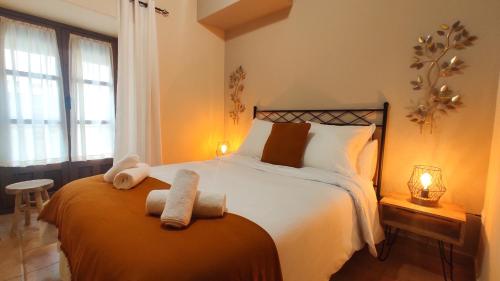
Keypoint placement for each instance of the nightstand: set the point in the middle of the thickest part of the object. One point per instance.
(444, 223)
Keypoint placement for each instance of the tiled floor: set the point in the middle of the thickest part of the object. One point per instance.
(409, 261)
(27, 257)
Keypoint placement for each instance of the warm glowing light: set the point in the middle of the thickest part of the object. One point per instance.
(426, 180)
(223, 148)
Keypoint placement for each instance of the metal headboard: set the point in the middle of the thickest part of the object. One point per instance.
(340, 117)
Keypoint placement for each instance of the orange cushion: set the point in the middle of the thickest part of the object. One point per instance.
(286, 144)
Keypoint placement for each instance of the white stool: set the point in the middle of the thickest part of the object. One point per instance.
(22, 191)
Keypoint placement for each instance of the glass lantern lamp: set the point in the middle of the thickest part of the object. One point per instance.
(222, 149)
(426, 185)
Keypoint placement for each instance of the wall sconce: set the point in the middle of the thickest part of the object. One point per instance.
(426, 185)
(222, 148)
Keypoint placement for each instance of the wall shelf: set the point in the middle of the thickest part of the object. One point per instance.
(227, 14)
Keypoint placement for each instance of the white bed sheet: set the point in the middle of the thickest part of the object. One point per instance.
(314, 224)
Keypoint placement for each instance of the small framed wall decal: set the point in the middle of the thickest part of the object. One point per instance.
(434, 56)
(236, 88)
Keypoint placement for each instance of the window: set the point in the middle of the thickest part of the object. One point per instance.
(32, 103)
(92, 99)
(56, 92)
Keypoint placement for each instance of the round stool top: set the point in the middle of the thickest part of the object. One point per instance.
(32, 185)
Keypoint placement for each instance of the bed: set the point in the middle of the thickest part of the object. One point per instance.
(316, 219)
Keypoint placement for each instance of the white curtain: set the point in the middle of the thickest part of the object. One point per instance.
(32, 115)
(92, 112)
(138, 96)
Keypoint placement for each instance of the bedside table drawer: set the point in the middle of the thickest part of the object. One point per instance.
(426, 225)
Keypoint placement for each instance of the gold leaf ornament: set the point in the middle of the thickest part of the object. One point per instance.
(236, 85)
(432, 57)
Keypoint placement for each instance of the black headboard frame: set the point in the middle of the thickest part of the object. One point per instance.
(339, 117)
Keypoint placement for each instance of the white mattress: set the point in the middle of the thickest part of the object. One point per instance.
(314, 224)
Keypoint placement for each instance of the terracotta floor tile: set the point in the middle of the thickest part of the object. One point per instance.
(409, 272)
(49, 273)
(5, 223)
(17, 278)
(41, 257)
(409, 261)
(31, 238)
(11, 263)
(8, 241)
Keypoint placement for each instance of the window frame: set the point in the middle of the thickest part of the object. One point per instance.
(63, 32)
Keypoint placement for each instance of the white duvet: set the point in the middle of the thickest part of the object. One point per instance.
(316, 218)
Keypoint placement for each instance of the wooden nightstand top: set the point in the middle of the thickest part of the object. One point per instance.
(444, 210)
(444, 223)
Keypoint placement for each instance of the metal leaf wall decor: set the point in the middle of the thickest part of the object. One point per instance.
(433, 55)
(236, 86)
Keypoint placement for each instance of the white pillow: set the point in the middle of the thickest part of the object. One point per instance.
(256, 139)
(367, 160)
(336, 148)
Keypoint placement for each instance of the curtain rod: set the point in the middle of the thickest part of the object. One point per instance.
(163, 12)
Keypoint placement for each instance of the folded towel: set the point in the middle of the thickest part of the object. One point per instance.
(129, 161)
(179, 205)
(129, 178)
(206, 204)
(209, 205)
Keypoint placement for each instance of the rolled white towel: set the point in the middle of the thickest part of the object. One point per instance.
(129, 178)
(127, 162)
(210, 205)
(179, 205)
(206, 204)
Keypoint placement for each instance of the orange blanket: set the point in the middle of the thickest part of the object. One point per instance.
(106, 235)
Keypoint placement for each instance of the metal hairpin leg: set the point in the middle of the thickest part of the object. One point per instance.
(390, 239)
(446, 262)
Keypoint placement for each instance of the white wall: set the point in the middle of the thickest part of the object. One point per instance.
(357, 53)
(192, 83)
(491, 212)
